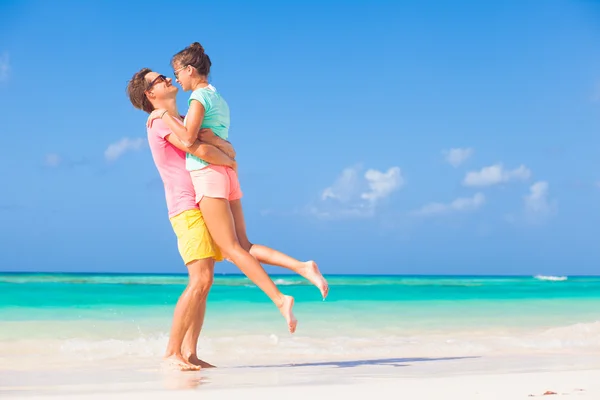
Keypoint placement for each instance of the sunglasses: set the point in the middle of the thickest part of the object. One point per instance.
(176, 72)
(158, 79)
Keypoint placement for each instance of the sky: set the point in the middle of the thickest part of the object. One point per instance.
(374, 137)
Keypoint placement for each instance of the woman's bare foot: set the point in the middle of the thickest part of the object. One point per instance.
(193, 359)
(286, 311)
(313, 274)
(176, 361)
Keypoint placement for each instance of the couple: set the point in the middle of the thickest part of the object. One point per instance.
(198, 169)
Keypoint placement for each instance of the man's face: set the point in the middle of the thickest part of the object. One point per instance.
(160, 87)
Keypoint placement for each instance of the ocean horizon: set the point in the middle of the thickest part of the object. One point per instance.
(394, 302)
(9, 272)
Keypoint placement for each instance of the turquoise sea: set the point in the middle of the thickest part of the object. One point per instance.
(71, 318)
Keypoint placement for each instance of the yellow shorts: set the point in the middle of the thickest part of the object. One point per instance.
(193, 239)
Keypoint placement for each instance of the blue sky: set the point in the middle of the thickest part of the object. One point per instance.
(383, 137)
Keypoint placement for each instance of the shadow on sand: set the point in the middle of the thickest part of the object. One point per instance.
(393, 362)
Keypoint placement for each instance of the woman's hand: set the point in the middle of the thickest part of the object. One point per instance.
(156, 114)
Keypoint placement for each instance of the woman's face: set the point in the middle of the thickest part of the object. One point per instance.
(183, 74)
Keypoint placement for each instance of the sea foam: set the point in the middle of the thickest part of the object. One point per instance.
(252, 349)
(551, 278)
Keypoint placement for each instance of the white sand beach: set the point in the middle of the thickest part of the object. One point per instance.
(489, 387)
(490, 378)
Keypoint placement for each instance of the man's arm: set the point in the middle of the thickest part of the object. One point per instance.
(207, 152)
(204, 135)
(207, 136)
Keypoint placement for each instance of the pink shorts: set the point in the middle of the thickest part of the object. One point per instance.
(216, 181)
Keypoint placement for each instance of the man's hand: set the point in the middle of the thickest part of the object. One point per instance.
(207, 136)
(156, 114)
(227, 148)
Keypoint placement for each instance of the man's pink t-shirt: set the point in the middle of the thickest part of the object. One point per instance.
(170, 162)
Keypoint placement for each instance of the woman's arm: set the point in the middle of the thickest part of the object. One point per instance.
(188, 133)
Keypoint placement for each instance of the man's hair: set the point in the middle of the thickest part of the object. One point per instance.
(136, 89)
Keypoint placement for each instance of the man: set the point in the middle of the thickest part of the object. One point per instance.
(147, 90)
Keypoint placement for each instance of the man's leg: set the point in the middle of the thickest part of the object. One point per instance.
(186, 310)
(190, 341)
(198, 253)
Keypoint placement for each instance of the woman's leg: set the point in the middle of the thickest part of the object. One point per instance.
(220, 223)
(264, 254)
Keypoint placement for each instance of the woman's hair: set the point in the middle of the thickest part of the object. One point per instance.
(195, 56)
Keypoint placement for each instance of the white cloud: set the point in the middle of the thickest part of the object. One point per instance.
(344, 187)
(538, 206)
(457, 156)
(359, 211)
(461, 204)
(381, 184)
(354, 194)
(495, 174)
(116, 150)
(4, 67)
(536, 202)
(52, 160)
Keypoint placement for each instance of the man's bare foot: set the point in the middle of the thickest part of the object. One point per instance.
(313, 274)
(193, 359)
(176, 361)
(286, 311)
